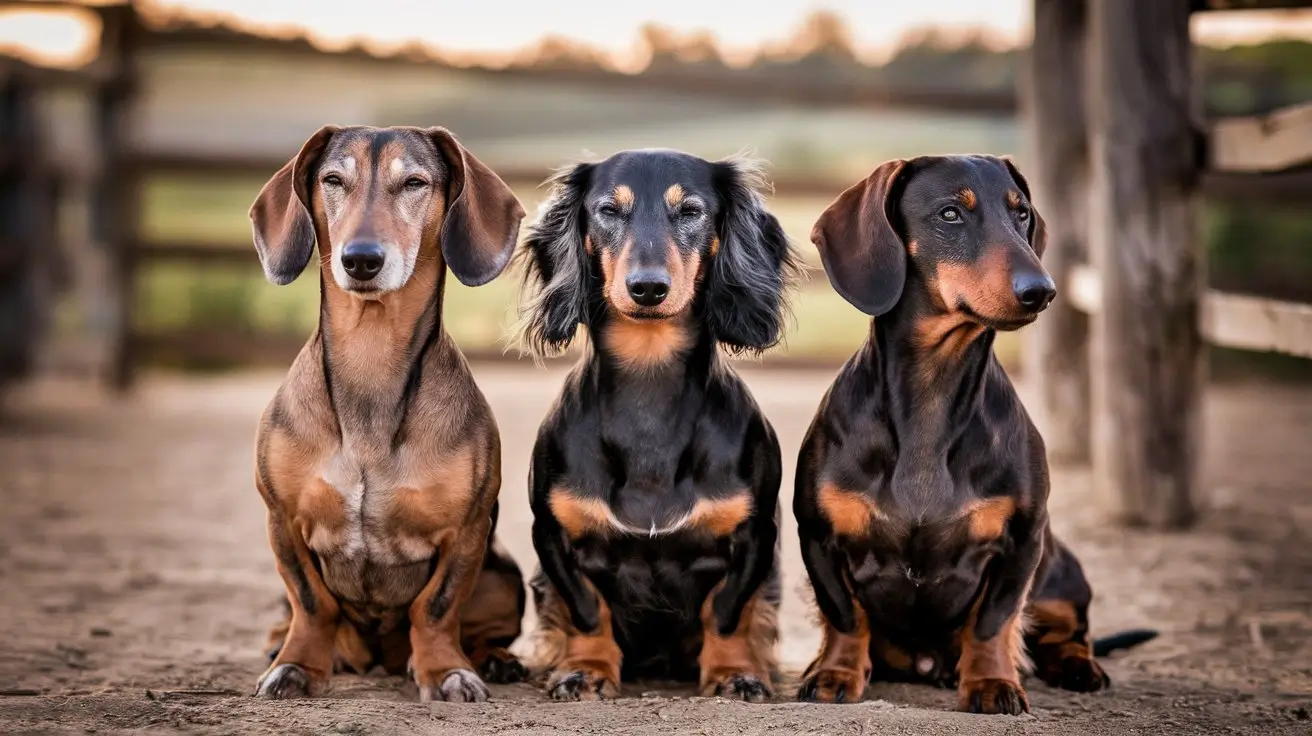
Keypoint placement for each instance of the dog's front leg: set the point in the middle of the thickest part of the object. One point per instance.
(993, 639)
(438, 663)
(841, 670)
(305, 661)
(739, 623)
(585, 664)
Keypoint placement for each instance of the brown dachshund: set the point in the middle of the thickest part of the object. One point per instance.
(379, 459)
(922, 485)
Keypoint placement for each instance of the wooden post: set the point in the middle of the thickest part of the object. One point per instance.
(1148, 353)
(1057, 357)
(118, 187)
(21, 228)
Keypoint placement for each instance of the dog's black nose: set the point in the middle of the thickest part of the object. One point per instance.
(363, 261)
(648, 288)
(1034, 291)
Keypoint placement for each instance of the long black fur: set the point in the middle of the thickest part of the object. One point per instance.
(744, 302)
(651, 443)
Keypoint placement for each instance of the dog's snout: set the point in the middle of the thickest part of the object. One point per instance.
(648, 288)
(1034, 291)
(363, 261)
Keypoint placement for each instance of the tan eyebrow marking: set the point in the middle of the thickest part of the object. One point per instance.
(967, 197)
(674, 195)
(623, 195)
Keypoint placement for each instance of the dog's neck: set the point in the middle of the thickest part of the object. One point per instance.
(930, 364)
(654, 360)
(374, 349)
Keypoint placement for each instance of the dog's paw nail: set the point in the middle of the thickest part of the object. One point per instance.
(1082, 676)
(459, 686)
(503, 670)
(744, 687)
(995, 696)
(832, 686)
(283, 682)
(580, 686)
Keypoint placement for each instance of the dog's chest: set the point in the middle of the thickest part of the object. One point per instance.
(359, 525)
(917, 578)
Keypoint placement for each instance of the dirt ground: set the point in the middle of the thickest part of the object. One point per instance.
(136, 584)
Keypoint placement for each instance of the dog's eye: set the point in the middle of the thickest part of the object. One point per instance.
(1023, 213)
(415, 182)
(607, 210)
(332, 180)
(690, 211)
(950, 214)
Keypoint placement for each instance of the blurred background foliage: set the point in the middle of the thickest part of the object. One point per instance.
(509, 119)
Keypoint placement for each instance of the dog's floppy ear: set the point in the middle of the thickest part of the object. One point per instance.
(1038, 232)
(753, 266)
(555, 296)
(482, 217)
(281, 223)
(864, 257)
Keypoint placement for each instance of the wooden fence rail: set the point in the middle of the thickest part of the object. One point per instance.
(1111, 100)
(1123, 355)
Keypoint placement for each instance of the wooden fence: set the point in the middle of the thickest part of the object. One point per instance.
(38, 182)
(1121, 161)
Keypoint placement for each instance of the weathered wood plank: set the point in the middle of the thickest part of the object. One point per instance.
(118, 188)
(1053, 103)
(1148, 352)
(1204, 5)
(1254, 323)
(1289, 187)
(1279, 140)
(198, 253)
(1226, 320)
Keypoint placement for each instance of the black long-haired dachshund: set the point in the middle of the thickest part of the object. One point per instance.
(922, 486)
(655, 477)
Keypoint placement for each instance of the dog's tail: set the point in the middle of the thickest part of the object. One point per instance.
(1128, 639)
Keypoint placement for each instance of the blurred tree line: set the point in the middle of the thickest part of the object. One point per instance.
(1252, 248)
(1237, 80)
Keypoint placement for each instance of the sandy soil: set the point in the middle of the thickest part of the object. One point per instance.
(136, 585)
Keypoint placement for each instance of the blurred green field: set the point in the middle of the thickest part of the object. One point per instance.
(174, 297)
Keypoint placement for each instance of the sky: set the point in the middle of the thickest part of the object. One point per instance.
(498, 26)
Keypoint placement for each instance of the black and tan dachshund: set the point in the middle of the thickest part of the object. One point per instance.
(922, 485)
(655, 477)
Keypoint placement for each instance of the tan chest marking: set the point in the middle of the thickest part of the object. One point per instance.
(391, 510)
(853, 514)
(640, 345)
(989, 517)
(580, 516)
(1056, 618)
(850, 514)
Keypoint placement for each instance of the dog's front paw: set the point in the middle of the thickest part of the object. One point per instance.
(565, 684)
(993, 696)
(284, 682)
(455, 686)
(502, 667)
(740, 686)
(1077, 674)
(833, 685)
